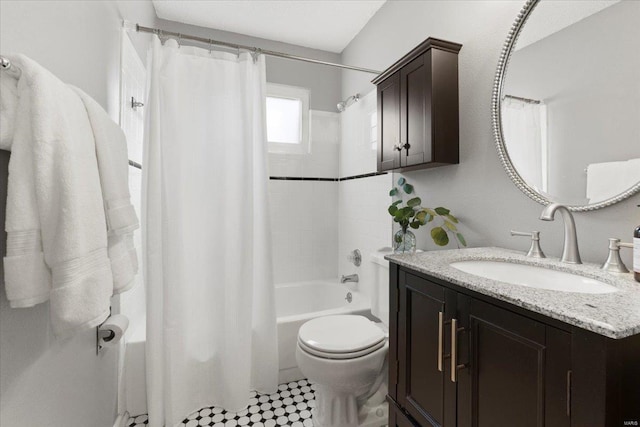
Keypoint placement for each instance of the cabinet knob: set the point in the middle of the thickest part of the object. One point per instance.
(397, 147)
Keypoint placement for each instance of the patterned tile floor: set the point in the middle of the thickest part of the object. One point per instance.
(290, 406)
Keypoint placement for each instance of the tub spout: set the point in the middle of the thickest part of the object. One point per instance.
(349, 278)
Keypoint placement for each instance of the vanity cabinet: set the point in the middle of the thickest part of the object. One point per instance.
(418, 108)
(522, 372)
(459, 358)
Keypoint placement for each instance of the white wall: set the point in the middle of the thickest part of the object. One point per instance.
(363, 220)
(44, 382)
(322, 161)
(477, 190)
(356, 155)
(364, 224)
(304, 229)
(304, 221)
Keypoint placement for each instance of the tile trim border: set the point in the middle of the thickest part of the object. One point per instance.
(347, 178)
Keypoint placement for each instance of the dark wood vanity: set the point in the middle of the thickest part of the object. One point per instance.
(461, 358)
(418, 108)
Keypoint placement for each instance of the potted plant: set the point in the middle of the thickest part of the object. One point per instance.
(412, 215)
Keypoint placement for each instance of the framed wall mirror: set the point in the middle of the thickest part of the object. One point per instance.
(566, 102)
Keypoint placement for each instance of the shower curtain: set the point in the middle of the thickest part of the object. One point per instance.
(525, 126)
(211, 323)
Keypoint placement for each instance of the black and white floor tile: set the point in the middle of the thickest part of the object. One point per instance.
(290, 406)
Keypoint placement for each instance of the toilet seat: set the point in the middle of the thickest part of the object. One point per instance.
(341, 356)
(340, 337)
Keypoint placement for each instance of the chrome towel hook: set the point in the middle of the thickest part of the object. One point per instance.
(135, 104)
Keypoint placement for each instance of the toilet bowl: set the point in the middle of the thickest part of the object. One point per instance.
(345, 355)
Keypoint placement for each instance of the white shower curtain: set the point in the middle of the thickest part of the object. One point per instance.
(211, 323)
(525, 129)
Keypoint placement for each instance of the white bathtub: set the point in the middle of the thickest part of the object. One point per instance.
(295, 304)
(301, 301)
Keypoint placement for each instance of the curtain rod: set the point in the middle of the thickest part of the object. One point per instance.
(527, 100)
(179, 36)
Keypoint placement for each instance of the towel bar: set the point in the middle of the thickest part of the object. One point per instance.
(5, 64)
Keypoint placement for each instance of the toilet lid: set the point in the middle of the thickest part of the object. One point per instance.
(340, 334)
(341, 356)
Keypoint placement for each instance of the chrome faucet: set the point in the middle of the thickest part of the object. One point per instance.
(570, 252)
(349, 278)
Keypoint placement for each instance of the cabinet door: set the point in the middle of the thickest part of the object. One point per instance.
(424, 390)
(415, 112)
(389, 123)
(517, 369)
(397, 418)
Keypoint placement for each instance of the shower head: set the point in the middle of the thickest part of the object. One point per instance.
(350, 100)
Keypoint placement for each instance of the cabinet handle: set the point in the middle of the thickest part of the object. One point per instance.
(454, 350)
(568, 393)
(441, 356)
(397, 147)
(440, 338)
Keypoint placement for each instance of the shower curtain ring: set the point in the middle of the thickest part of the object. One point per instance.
(256, 54)
(179, 40)
(210, 46)
(162, 37)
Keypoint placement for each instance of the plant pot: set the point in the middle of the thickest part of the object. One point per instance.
(404, 241)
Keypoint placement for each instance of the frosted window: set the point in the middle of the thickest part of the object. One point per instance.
(284, 117)
(287, 119)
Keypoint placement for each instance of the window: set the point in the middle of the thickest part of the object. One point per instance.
(371, 130)
(287, 119)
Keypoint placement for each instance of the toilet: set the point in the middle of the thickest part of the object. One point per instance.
(346, 357)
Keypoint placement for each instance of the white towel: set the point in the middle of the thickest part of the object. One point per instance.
(113, 167)
(608, 179)
(8, 105)
(56, 233)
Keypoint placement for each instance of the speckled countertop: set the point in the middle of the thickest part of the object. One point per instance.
(615, 315)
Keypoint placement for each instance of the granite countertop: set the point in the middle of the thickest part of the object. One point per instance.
(614, 315)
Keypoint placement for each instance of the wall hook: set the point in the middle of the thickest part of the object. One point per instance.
(135, 104)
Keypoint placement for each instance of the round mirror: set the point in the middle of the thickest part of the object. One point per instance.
(566, 102)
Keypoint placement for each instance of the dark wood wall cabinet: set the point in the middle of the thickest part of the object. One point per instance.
(418, 108)
(459, 358)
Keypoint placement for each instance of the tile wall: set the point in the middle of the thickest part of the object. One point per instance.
(303, 212)
(363, 220)
(316, 224)
(364, 224)
(304, 229)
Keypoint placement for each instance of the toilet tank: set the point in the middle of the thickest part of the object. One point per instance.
(380, 289)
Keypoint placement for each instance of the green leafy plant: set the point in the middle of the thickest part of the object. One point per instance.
(412, 214)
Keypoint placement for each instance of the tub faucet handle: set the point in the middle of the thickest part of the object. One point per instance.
(355, 257)
(535, 250)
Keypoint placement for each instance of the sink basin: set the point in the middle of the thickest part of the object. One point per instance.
(534, 277)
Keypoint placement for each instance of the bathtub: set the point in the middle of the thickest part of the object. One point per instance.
(295, 304)
(301, 301)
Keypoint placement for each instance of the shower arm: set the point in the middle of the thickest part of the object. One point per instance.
(350, 100)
